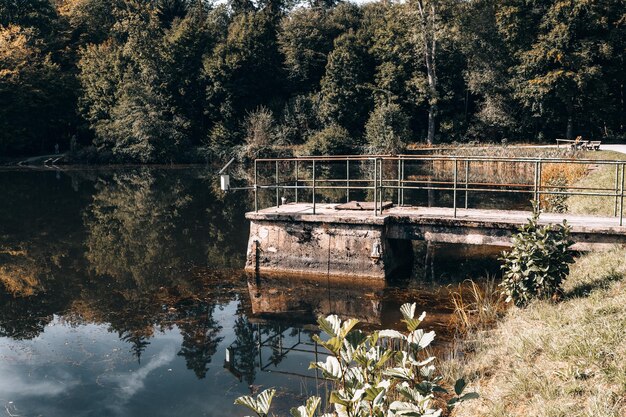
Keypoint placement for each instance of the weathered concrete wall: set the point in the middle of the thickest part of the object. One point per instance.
(356, 244)
(315, 248)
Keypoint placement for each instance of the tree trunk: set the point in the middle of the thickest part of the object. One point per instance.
(569, 134)
(430, 139)
(429, 39)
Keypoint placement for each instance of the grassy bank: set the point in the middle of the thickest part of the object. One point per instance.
(601, 178)
(556, 359)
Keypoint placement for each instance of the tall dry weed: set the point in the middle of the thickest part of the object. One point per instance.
(477, 306)
(559, 177)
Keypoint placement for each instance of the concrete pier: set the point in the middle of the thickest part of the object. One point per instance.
(290, 239)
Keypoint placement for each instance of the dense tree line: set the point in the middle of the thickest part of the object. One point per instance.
(172, 80)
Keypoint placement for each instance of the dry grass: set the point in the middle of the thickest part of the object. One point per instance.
(563, 359)
(497, 150)
(477, 306)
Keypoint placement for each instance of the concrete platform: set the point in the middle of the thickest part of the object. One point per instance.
(355, 243)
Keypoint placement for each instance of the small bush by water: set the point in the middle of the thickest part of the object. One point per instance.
(538, 262)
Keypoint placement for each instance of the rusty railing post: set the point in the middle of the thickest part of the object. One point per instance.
(539, 186)
(347, 180)
(399, 179)
(297, 180)
(535, 195)
(616, 189)
(456, 166)
(256, 199)
(314, 186)
(466, 181)
(621, 203)
(375, 187)
(381, 188)
(402, 184)
(277, 187)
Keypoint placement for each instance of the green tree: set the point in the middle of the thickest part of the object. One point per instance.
(125, 82)
(183, 48)
(497, 113)
(243, 73)
(345, 96)
(90, 21)
(306, 38)
(561, 48)
(387, 130)
(424, 17)
(33, 92)
(40, 15)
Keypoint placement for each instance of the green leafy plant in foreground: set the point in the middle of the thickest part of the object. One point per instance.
(538, 262)
(383, 374)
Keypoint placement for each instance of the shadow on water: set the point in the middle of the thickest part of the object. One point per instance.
(125, 286)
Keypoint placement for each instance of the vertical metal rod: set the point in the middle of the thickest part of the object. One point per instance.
(297, 180)
(277, 189)
(621, 199)
(456, 166)
(380, 186)
(375, 187)
(536, 181)
(616, 189)
(539, 185)
(402, 184)
(256, 200)
(399, 180)
(347, 180)
(314, 186)
(466, 181)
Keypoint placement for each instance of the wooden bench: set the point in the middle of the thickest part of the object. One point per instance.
(576, 145)
(589, 145)
(592, 145)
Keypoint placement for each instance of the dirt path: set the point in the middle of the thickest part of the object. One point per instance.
(614, 148)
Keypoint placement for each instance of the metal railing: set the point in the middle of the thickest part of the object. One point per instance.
(454, 174)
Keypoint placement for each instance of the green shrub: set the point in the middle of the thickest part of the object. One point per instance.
(332, 140)
(384, 374)
(538, 262)
(387, 130)
(263, 136)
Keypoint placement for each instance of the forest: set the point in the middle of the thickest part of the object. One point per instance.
(161, 81)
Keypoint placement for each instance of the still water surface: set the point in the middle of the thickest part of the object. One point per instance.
(121, 294)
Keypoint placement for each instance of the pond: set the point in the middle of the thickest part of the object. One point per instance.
(122, 294)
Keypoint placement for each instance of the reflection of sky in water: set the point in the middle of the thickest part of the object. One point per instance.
(87, 371)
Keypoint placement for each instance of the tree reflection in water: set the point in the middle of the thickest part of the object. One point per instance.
(200, 335)
(141, 250)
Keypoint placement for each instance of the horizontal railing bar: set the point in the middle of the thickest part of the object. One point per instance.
(471, 158)
(491, 190)
(395, 181)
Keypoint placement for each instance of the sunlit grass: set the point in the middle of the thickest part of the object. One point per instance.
(556, 359)
(602, 178)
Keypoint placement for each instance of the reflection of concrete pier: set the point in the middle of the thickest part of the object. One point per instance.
(303, 300)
